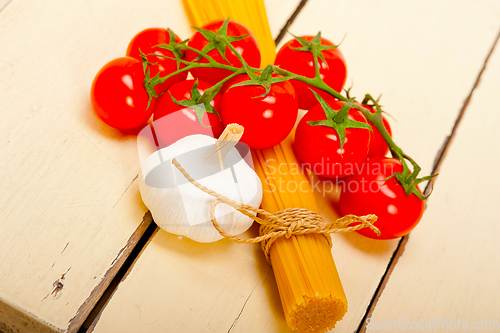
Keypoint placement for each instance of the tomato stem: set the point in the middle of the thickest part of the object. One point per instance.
(343, 112)
(249, 71)
(210, 93)
(316, 62)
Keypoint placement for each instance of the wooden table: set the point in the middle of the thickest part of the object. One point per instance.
(71, 213)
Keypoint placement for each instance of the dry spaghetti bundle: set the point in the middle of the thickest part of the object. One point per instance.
(309, 285)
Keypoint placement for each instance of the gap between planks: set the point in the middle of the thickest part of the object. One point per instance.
(146, 237)
(3, 4)
(440, 156)
(88, 307)
(289, 22)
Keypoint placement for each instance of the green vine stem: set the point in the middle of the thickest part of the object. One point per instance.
(408, 179)
(212, 91)
(247, 68)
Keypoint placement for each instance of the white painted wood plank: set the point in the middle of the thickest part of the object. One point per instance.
(278, 13)
(361, 262)
(388, 49)
(178, 285)
(450, 268)
(69, 202)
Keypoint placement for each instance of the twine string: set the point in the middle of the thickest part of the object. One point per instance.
(285, 223)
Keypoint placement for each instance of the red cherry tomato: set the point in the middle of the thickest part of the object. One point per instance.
(334, 72)
(267, 120)
(172, 122)
(368, 193)
(378, 147)
(146, 41)
(318, 147)
(118, 95)
(246, 47)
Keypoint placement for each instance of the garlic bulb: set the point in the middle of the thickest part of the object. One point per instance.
(181, 208)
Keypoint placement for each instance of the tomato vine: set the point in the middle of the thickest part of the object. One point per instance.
(407, 178)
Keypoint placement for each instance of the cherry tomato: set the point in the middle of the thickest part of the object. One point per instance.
(368, 193)
(118, 95)
(318, 147)
(173, 122)
(333, 72)
(268, 119)
(146, 41)
(246, 47)
(378, 147)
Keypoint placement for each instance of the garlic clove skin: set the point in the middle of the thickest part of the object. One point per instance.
(179, 207)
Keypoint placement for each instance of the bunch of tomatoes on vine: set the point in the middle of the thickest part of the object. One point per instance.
(338, 137)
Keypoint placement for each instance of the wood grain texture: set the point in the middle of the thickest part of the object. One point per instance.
(3, 3)
(450, 269)
(415, 54)
(69, 203)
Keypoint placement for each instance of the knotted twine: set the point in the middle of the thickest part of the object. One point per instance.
(284, 223)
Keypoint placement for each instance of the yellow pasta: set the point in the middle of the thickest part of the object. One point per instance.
(309, 285)
(251, 13)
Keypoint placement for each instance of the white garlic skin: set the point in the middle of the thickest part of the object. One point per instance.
(184, 209)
